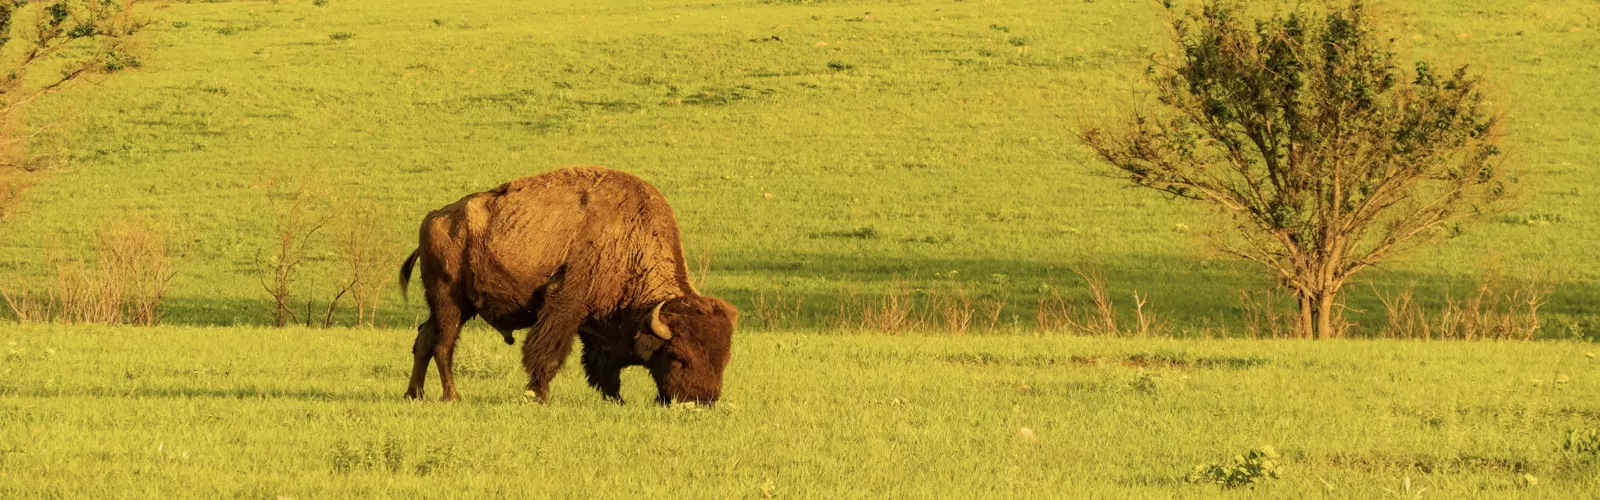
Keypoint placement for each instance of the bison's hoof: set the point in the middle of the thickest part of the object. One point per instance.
(413, 394)
(510, 340)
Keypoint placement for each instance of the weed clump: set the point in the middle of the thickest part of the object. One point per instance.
(1582, 443)
(1250, 469)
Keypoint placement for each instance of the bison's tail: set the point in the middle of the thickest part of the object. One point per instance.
(405, 271)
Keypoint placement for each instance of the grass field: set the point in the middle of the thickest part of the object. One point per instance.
(876, 143)
(813, 151)
(208, 412)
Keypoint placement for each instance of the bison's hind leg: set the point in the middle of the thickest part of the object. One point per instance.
(421, 354)
(603, 370)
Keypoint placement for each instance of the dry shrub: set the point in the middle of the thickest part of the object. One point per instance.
(993, 309)
(365, 250)
(1105, 315)
(1262, 319)
(782, 311)
(1056, 313)
(849, 306)
(1495, 311)
(702, 271)
(955, 310)
(294, 225)
(125, 283)
(138, 255)
(892, 314)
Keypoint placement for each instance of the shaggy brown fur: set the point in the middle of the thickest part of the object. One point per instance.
(582, 251)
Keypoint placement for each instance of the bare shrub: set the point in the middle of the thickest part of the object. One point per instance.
(294, 225)
(135, 259)
(893, 313)
(1262, 319)
(83, 295)
(1140, 318)
(702, 270)
(781, 311)
(124, 284)
(956, 311)
(849, 307)
(993, 309)
(1494, 311)
(364, 248)
(1053, 312)
(1105, 320)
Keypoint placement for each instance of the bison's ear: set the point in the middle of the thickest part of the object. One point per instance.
(657, 326)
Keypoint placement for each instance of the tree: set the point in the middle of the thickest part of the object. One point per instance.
(1302, 129)
(65, 41)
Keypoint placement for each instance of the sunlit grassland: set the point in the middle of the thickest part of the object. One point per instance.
(896, 141)
(176, 411)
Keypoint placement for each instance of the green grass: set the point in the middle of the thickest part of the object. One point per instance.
(922, 138)
(252, 412)
(870, 145)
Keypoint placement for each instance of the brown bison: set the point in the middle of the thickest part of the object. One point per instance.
(582, 252)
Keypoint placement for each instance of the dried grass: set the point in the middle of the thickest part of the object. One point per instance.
(1496, 310)
(125, 284)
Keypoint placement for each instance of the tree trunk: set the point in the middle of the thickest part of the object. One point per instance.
(1325, 316)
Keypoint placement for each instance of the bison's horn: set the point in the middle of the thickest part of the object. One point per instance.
(657, 326)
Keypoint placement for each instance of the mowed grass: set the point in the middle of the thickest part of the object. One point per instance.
(207, 412)
(808, 147)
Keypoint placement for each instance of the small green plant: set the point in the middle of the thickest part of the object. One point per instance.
(341, 36)
(1582, 443)
(840, 66)
(1249, 469)
(319, 3)
(1145, 383)
(180, 24)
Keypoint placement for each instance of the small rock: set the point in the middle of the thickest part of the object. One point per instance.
(1026, 434)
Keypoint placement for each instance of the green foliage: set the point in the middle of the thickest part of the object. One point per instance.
(1250, 469)
(74, 38)
(1304, 132)
(1584, 443)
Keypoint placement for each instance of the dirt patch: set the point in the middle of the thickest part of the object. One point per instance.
(1159, 360)
(1428, 464)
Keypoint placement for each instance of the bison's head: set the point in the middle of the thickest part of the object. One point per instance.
(696, 334)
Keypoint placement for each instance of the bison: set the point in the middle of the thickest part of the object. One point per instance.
(584, 252)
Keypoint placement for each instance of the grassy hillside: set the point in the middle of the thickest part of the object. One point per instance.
(808, 147)
(207, 412)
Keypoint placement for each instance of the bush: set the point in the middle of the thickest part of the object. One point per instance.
(1248, 469)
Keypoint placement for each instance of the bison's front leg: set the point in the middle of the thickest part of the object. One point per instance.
(546, 348)
(603, 370)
